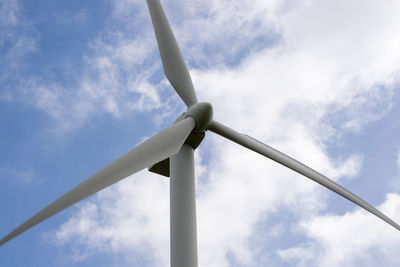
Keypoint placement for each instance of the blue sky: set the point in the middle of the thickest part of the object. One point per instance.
(82, 83)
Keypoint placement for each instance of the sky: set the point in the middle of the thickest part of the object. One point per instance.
(81, 83)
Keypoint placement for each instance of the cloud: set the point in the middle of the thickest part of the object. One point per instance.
(354, 238)
(326, 75)
(112, 78)
(216, 23)
(109, 83)
(17, 39)
(136, 216)
(23, 175)
(398, 158)
(8, 12)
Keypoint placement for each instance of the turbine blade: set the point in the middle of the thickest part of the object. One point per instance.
(173, 63)
(162, 145)
(269, 152)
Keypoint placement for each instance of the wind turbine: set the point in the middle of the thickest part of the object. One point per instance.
(171, 153)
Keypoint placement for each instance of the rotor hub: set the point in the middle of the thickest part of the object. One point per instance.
(202, 113)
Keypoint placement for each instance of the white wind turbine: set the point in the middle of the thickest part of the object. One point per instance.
(171, 153)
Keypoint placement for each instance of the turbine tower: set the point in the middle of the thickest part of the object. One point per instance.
(171, 153)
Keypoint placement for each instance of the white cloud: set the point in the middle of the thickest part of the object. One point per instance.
(17, 39)
(136, 217)
(355, 238)
(8, 12)
(23, 175)
(216, 23)
(108, 81)
(398, 158)
(300, 255)
(333, 71)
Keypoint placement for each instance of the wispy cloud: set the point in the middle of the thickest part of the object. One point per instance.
(21, 175)
(107, 81)
(9, 12)
(398, 158)
(17, 39)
